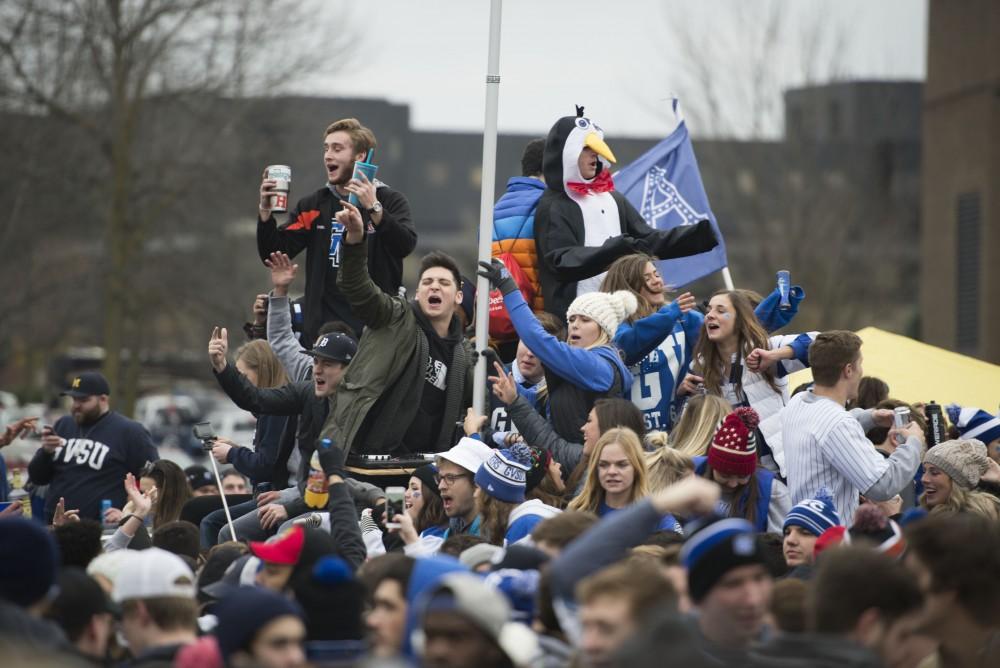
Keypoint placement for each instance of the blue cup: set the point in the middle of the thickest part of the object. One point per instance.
(366, 168)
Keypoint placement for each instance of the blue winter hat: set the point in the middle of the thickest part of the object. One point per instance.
(814, 515)
(975, 423)
(29, 562)
(244, 612)
(716, 549)
(520, 588)
(504, 476)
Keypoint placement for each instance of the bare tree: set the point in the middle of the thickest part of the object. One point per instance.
(129, 85)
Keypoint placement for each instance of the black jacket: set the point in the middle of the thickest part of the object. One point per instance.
(298, 398)
(564, 259)
(810, 650)
(311, 225)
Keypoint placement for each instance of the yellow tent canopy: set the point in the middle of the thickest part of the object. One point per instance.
(917, 371)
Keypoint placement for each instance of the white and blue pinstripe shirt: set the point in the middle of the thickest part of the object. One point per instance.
(826, 450)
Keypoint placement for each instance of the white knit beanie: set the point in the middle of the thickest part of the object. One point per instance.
(606, 309)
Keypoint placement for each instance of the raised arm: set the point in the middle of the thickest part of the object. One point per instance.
(879, 478)
(292, 238)
(372, 306)
(285, 400)
(610, 538)
(343, 516)
(396, 227)
(641, 337)
(280, 335)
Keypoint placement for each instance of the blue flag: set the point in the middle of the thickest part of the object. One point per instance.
(664, 184)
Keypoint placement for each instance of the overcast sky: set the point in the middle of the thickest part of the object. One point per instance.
(619, 59)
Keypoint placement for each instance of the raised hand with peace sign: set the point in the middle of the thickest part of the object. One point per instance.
(218, 346)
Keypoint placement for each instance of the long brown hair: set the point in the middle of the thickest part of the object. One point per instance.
(749, 507)
(750, 334)
(257, 355)
(629, 273)
(611, 413)
(172, 490)
(495, 515)
(593, 494)
(432, 512)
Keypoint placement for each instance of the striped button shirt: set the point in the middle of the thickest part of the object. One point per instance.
(826, 451)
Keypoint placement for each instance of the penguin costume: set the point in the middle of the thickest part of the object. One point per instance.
(583, 225)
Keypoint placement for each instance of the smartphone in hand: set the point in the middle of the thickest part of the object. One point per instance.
(393, 506)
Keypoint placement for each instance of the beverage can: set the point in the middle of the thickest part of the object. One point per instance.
(282, 175)
(784, 288)
(901, 418)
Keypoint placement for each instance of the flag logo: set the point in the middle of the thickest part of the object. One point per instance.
(660, 199)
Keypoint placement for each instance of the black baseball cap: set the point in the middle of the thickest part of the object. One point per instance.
(198, 476)
(87, 384)
(335, 346)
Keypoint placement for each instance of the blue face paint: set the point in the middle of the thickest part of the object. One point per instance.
(727, 316)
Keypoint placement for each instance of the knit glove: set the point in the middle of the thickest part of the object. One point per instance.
(498, 276)
(371, 534)
(331, 459)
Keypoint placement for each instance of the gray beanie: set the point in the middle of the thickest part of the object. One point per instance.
(964, 460)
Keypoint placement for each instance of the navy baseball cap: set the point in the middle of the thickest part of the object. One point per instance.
(335, 346)
(87, 384)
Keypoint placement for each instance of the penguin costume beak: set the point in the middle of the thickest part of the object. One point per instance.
(594, 141)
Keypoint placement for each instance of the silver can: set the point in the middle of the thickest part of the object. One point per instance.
(900, 418)
(282, 175)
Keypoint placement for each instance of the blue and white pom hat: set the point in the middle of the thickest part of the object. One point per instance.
(814, 515)
(974, 423)
(504, 475)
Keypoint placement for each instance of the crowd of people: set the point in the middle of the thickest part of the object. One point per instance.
(644, 487)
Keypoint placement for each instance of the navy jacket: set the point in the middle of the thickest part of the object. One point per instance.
(91, 466)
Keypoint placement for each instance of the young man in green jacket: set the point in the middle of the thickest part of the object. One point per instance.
(411, 380)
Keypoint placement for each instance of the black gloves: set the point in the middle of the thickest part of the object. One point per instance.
(331, 458)
(498, 276)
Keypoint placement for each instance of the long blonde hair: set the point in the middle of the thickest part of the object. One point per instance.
(962, 500)
(665, 465)
(592, 496)
(700, 420)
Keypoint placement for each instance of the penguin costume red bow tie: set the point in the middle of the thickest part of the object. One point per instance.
(602, 183)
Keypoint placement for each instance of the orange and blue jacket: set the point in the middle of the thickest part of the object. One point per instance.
(514, 227)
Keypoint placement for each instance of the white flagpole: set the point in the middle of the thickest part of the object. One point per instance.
(486, 202)
(727, 278)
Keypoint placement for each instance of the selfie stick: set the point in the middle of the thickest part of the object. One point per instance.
(218, 481)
